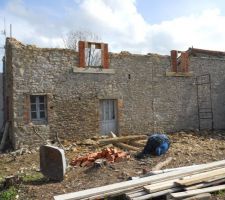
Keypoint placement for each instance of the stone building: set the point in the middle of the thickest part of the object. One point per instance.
(50, 92)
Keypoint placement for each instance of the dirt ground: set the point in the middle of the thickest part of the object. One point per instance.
(187, 148)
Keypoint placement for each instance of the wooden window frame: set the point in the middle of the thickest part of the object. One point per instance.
(38, 110)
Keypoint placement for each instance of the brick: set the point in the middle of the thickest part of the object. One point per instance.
(105, 55)
(81, 47)
(184, 61)
(173, 57)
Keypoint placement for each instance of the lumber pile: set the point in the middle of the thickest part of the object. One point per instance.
(191, 182)
(109, 154)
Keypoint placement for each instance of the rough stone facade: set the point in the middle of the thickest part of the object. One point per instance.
(1, 100)
(147, 99)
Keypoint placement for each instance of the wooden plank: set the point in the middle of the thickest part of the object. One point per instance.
(124, 186)
(167, 170)
(162, 164)
(156, 194)
(137, 144)
(205, 184)
(143, 141)
(107, 194)
(126, 146)
(136, 194)
(134, 191)
(122, 139)
(197, 178)
(204, 196)
(197, 191)
(160, 186)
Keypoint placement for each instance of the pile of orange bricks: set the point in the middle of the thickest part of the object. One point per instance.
(109, 154)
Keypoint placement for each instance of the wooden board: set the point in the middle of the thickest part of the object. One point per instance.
(205, 184)
(162, 164)
(160, 186)
(121, 139)
(156, 194)
(137, 144)
(197, 191)
(127, 147)
(204, 196)
(125, 186)
(135, 195)
(197, 178)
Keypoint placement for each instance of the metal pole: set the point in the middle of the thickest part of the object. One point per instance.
(10, 30)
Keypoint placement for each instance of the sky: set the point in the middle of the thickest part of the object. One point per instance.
(138, 26)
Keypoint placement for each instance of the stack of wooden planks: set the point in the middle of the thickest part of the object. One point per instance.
(177, 183)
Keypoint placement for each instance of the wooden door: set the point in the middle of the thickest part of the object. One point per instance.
(108, 116)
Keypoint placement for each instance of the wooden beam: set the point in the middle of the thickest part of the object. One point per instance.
(197, 178)
(162, 164)
(205, 184)
(189, 193)
(160, 186)
(136, 194)
(204, 196)
(157, 194)
(127, 147)
(137, 144)
(122, 139)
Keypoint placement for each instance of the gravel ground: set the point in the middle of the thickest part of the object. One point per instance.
(187, 148)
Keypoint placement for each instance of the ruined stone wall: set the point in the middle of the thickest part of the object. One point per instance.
(8, 92)
(1, 100)
(147, 99)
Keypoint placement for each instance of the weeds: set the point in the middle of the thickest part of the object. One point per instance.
(9, 194)
(34, 177)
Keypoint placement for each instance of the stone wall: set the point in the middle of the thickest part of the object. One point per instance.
(147, 99)
(1, 100)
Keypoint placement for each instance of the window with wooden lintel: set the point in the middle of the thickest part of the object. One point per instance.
(179, 61)
(179, 64)
(92, 54)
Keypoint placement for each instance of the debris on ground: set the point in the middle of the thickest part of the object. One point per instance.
(174, 184)
(110, 154)
(188, 148)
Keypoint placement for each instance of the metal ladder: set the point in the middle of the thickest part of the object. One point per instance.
(204, 100)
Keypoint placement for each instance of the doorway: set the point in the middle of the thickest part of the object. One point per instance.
(108, 116)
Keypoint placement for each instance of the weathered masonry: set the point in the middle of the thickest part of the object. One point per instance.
(51, 92)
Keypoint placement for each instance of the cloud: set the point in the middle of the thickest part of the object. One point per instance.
(119, 23)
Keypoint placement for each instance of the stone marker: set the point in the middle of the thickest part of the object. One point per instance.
(52, 162)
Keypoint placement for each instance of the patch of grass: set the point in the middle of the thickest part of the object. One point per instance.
(9, 194)
(220, 192)
(34, 177)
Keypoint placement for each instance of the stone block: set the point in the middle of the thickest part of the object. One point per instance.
(52, 162)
